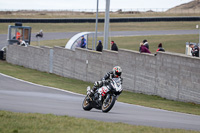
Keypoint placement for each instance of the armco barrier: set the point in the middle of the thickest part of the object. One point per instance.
(100, 20)
(169, 75)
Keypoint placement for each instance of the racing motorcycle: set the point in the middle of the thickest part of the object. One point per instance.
(104, 97)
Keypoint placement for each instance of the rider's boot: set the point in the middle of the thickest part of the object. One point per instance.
(92, 91)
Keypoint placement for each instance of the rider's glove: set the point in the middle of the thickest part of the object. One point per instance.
(105, 82)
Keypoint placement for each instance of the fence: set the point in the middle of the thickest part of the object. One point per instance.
(122, 10)
(101, 20)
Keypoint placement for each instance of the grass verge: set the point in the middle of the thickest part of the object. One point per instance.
(171, 43)
(90, 14)
(48, 123)
(80, 87)
(78, 27)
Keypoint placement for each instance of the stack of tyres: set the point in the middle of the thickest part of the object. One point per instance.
(1, 55)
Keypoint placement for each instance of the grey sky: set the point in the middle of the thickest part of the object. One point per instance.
(88, 4)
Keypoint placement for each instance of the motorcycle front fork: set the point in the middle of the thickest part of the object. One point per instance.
(107, 98)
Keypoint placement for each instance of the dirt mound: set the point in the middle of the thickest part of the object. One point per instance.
(190, 7)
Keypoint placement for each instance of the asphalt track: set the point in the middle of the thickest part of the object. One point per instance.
(20, 96)
(67, 35)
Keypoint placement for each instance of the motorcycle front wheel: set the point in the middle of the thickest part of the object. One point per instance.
(107, 106)
(86, 104)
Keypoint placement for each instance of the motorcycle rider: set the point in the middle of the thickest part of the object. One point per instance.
(115, 73)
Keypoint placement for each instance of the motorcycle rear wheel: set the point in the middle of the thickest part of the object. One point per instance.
(107, 106)
(86, 105)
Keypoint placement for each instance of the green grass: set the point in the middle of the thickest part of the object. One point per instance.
(48, 123)
(171, 43)
(66, 14)
(78, 27)
(80, 87)
(158, 102)
(44, 78)
(19, 122)
(51, 43)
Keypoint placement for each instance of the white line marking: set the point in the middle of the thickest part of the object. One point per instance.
(41, 85)
(81, 94)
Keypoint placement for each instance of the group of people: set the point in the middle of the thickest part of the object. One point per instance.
(19, 39)
(194, 50)
(99, 46)
(144, 47)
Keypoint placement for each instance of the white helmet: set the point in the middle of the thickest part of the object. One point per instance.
(117, 71)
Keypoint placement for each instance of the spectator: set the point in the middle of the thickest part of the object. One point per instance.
(114, 46)
(18, 35)
(83, 42)
(99, 46)
(144, 49)
(160, 48)
(146, 44)
(21, 42)
(195, 50)
(40, 34)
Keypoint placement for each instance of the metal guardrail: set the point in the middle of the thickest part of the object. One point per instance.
(100, 20)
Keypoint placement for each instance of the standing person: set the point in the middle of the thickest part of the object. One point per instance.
(18, 35)
(144, 49)
(160, 48)
(114, 46)
(146, 44)
(195, 50)
(40, 34)
(83, 42)
(99, 46)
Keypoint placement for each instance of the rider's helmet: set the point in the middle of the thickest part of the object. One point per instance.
(117, 71)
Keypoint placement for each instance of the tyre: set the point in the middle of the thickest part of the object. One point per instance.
(107, 106)
(86, 104)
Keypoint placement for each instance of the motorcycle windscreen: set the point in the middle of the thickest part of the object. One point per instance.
(117, 84)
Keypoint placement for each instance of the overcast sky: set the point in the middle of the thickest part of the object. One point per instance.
(88, 4)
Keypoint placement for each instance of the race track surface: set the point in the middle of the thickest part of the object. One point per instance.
(20, 96)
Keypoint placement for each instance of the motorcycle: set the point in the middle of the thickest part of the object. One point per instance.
(104, 97)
